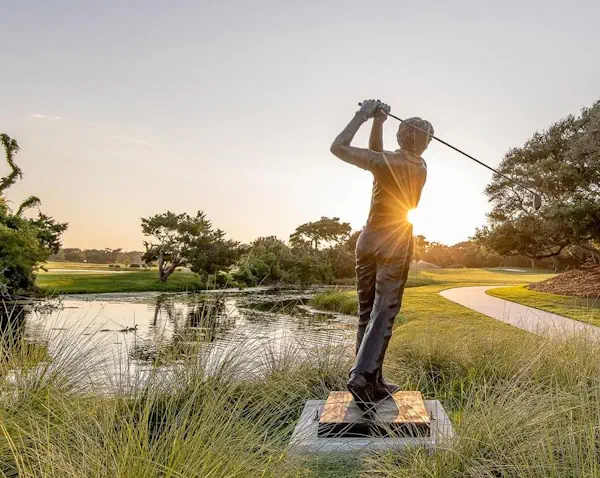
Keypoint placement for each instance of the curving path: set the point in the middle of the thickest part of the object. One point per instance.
(527, 318)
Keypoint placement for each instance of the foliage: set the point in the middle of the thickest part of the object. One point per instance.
(463, 254)
(325, 230)
(25, 243)
(266, 261)
(562, 163)
(181, 239)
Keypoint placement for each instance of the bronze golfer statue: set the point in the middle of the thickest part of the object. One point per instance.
(384, 248)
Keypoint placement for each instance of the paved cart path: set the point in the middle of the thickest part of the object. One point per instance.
(527, 318)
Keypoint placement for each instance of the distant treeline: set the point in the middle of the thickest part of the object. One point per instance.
(472, 254)
(98, 256)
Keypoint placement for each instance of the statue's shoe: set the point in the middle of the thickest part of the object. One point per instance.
(362, 390)
(384, 389)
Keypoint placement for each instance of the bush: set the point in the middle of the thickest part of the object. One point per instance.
(135, 266)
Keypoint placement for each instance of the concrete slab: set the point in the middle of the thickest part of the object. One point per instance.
(305, 439)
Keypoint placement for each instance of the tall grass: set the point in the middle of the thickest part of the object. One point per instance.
(194, 418)
(522, 406)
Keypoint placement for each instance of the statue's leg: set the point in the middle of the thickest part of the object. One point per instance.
(366, 269)
(391, 276)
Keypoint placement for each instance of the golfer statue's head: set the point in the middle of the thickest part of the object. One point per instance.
(414, 135)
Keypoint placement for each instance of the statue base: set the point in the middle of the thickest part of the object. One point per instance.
(337, 425)
(402, 414)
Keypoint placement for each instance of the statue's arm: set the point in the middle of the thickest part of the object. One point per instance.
(363, 158)
(341, 145)
(376, 138)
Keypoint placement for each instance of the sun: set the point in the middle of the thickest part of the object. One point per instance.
(413, 216)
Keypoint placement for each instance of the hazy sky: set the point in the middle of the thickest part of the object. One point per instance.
(125, 109)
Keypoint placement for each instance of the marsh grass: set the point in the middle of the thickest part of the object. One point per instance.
(195, 418)
(522, 406)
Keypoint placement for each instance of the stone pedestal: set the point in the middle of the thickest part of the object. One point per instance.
(338, 425)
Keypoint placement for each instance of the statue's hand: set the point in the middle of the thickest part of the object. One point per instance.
(368, 108)
(381, 114)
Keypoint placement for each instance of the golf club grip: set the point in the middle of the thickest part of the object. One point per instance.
(399, 119)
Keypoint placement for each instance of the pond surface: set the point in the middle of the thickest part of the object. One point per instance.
(134, 332)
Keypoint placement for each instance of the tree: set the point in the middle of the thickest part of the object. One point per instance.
(325, 230)
(180, 239)
(25, 243)
(419, 247)
(562, 163)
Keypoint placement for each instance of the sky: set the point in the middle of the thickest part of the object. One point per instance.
(128, 109)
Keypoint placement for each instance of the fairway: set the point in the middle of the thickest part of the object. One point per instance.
(52, 265)
(53, 283)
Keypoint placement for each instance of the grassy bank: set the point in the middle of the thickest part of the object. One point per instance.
(522, 406)
(578, 308)
(345, 301)
(78, 278)
(77, 283)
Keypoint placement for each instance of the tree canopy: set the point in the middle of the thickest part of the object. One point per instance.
(181, 239)
(25, 243)
(325, 230)
(562, 163)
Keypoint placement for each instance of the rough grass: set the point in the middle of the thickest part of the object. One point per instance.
(578, 308)
(74, 283)
(55, 422)
(522, 406)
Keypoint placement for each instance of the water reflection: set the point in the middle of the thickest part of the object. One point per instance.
(175, 333)
(148, 329)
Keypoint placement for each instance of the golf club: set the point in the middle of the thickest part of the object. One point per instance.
(537, 199)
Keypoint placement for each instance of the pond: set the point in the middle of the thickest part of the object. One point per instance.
(137, 332)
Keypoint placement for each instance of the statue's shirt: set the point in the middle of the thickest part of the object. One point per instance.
(398, 181)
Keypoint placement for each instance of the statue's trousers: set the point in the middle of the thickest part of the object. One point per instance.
(382, 264)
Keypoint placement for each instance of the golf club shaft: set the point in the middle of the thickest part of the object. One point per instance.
(465, 154)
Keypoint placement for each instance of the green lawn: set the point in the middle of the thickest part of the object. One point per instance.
(430, 283)
(77, 283)
(578, 308)
(75, 265)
